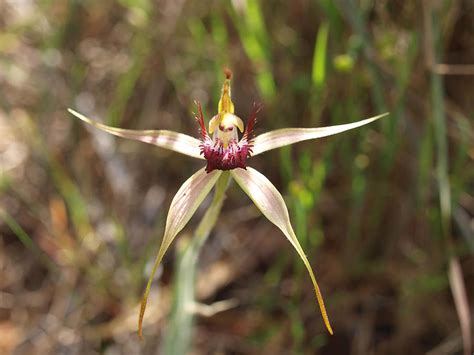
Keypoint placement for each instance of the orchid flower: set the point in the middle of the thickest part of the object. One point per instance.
(224, 151)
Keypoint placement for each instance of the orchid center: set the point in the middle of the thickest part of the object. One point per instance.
(225, 151)
(224, 128)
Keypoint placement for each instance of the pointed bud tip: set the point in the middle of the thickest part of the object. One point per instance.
(228, 73)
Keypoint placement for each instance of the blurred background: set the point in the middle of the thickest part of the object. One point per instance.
(384, 213)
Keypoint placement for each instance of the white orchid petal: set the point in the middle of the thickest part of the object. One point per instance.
(214, 123)
(231, 119)
(286, 136)
(270, 202)
(184, 205)
(178, 142)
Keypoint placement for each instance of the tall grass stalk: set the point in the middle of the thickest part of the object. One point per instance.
(442, 175)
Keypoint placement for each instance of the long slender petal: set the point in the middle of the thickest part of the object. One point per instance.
(178, 142)
(270, 202)
(184, 205)
(286, 136)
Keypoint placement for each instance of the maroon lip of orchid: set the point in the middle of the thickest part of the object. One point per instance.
(228, 156)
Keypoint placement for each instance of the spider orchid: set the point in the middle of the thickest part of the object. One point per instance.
(224, 151)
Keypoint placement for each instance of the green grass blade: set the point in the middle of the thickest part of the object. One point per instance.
(26, 240)
(255, 40)
(320, 55)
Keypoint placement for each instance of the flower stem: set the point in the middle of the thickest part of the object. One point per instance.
(179, 333)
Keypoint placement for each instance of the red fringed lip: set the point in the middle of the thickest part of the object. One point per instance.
(235, 154)
(218, 157)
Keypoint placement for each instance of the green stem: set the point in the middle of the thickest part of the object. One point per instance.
(179, 334)
(455, 274)
(440, 135)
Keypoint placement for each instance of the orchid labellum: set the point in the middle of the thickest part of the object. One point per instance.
(221, 148)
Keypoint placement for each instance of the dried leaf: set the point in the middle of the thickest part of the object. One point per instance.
(458, 290)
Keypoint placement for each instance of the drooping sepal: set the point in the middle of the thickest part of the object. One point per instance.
(270, 202)
(184, 205)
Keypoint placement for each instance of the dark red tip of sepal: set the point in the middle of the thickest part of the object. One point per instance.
(249, 130)
(228, 73)
(200, 120)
